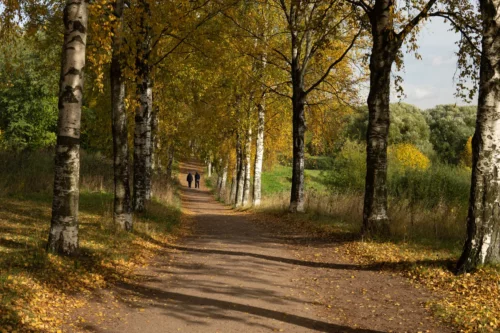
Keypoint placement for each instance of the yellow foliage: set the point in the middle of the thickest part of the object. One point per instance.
(408, 156)
(39, 291)
(466, 158)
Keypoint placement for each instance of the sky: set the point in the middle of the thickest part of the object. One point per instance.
(430, 81)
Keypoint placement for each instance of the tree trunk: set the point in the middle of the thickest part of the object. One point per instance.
(248, 153)
(142, 143)
(299, 129)
(259, 153)
(241, 184)
(170, 162)
(483, 221)
(384, 49)
(239, 173)
(155, 167)
(232, 194)
(63, 234)
(122, 211)
(222, 191)
(209, 168)
(219, 183)
(143, 116)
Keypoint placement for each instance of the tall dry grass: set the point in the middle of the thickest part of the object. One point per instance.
(442, 224)
(32, 173)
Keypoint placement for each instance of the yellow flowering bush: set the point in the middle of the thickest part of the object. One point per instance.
(409, 157)
(466, 158)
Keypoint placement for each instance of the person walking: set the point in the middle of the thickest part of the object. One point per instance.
(197, 180)
(189, 179)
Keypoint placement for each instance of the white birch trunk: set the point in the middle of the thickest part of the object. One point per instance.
(122, 209)
(143, 118)
(238, 199)
(232, 194)
(483, 221)
(170, 162)
(248, 152)
(222, 192)
(63, 234)
(142, 146)
(259, 153)
(241, 185)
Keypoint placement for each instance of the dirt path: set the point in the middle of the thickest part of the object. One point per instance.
(233, 276)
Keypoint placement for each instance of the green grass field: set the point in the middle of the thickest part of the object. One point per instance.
(279, 179)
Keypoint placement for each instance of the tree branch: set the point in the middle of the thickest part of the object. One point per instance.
(325, 75)
(458, 27)
(416, 20)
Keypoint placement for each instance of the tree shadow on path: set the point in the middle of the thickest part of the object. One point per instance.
(197, 306)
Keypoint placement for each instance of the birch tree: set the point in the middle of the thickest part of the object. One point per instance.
(63, 234)
(247, 160)
(311, 27)
(143, 114)
(259, 152)
(261, 65)
(122, 209)
(386, 47)
(391, 26)
(160, 34)
(482, 245)
(240, 172)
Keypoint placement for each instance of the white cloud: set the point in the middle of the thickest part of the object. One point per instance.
(440, 60)
(416, 94)
(421, 92)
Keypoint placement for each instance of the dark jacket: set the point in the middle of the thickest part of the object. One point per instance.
(197, 176)
(190, 177)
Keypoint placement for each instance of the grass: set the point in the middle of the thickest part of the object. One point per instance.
(39, 290)
(279, 180)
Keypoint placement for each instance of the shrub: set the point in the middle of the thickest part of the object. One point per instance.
(318, 162)
(407, 156)
(349, 168)
(440, 183)
(450, 127)
(410, 175)
(466, 157)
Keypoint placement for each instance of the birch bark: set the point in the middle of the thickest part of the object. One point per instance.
(248, 153)
(375, 219)
(259, 153)
(222, 192)
(122, 210)
(299, 128)
(238, 201)
(482, 245)
(63, 234)
(386, 45)
(143, 118)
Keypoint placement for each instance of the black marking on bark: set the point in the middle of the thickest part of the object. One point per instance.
(78, 26)
(74, 71)
(76, 39)
(67, 140)
(68, 96)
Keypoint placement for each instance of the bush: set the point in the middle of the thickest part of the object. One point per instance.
(440, 183)
(410, 176)
(450, 127)
(408, 125)
(407, 156)
(349, 168)
(318, 162)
